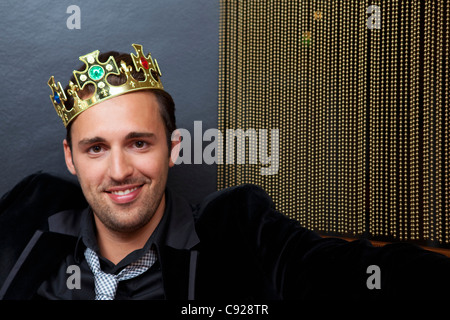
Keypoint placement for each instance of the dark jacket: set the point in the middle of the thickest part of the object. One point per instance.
(246, 250)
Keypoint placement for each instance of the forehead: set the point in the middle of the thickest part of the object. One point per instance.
(132, 112)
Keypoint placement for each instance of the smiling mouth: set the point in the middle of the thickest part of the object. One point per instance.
(125, 195)
(124, 192)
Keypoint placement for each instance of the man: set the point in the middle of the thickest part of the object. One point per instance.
(134, 239)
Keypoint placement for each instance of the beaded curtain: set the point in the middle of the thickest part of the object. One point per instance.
(362, 111)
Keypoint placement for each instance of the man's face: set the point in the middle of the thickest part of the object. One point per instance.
(121, 158)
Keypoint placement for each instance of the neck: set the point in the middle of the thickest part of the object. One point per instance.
(115, 245)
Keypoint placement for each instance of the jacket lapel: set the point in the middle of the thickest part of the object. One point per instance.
(41, 256)
(175, 268)
(178, 254)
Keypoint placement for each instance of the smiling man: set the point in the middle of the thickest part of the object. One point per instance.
(125, 235)
(120, 152)
(120, 155)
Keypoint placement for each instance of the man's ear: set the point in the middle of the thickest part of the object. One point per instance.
(68, 157)
(175, 147)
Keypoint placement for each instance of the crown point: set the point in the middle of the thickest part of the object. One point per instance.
(96, 73)
(144, 63)
(57, 99)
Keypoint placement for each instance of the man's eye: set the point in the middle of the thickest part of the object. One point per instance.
(139, 144)
(95, 149)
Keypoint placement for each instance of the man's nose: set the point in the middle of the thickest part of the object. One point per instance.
(120, 166)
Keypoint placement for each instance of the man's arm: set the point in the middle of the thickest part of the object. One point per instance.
(301, 264)
(25, 209)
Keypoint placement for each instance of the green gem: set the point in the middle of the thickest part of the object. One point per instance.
(96, 73)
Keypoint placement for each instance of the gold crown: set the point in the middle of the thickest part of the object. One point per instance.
(96, 73)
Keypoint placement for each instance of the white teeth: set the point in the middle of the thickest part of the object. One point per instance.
(124, 192)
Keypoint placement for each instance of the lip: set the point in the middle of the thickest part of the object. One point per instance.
(124, 194)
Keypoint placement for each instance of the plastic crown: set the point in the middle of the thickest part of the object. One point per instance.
(96, 73)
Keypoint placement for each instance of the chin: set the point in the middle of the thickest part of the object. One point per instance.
(127, 217)
(125, 225)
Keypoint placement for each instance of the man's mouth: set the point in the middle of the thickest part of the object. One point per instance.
(122, 195)
(124, 192)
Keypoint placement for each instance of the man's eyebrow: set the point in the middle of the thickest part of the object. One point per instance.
(88, 141)
(131, 135)
(134, 135)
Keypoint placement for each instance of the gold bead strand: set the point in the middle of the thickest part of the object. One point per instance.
(251, 79)
(388, 129)
(293, 172)
(321, 80)
(314, 108)
(371, 155)
(289, 169)
(415, 47)
(315, 55)
(333, 52)
(290, 172)
(264, 61)
(340, 178)
(382, 134)
(221, 86)
(353, 124)
(446, 109)
(426, 126)
(393, 116)
(361, 120)
(231, 106)
(349, 123)
(241, 62)
(269, 92)
(432, 121)
(277, 99)
(322, 108)
(228, 92)
(432, 141)
(328, 129)
(303, 118)
(403, 125)
(347, 89)
(310, 105)
(284, 65)
(375, 132)
(266, 45)
(439, 113)
(341, 122)
(406, 120)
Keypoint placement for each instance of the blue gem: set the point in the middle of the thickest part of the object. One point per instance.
(57, 99)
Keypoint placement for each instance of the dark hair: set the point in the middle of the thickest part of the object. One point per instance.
(165, 101)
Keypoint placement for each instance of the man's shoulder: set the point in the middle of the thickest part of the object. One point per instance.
(27, 207)
(241, 202)
(243, 192)
(42, 192)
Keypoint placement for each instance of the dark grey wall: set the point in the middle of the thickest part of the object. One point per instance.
(35, 43)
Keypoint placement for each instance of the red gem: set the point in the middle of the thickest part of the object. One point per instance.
(144, 63)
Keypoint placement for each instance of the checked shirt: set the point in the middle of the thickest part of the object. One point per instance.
(106, 283)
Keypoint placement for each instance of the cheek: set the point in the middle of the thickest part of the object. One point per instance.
(153, 165)
(90, 173)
